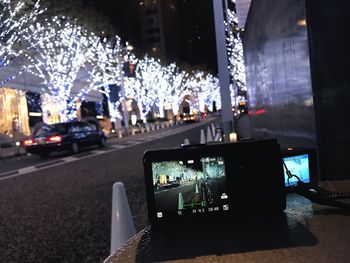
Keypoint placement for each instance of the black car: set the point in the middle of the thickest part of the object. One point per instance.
(69, 136)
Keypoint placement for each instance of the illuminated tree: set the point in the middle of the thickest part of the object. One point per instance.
(150, 73)
(166, 87)
(59, 53)
(168, 84)
(15, 17)
(178, 92)
(212, 89)
(236, 59)
(103, 69)
(203, 89)
(56, 49)
(208, 90)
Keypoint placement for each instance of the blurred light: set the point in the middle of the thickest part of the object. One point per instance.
(57, 138)
(233, 137)
(133, 119)
(35, 114)
(260, 111)
(28, 142)
(99, 117)
(301, 22)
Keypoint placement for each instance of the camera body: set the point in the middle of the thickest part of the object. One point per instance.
(215, 181)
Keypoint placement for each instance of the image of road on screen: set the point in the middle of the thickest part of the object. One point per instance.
(196, 185)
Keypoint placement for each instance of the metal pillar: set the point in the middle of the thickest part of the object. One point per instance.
(224, 74)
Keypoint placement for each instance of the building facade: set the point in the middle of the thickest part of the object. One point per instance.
(14, 118)
(179, 30)
(297, 62)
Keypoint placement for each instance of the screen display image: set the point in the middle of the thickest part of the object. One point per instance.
(299, 166)
(190, 186)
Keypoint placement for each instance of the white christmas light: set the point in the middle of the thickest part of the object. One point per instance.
(236, 59)
(58, 48)
(15, 18)
(60, 52)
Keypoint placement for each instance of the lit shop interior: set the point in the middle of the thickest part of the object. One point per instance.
(14, 118)
(21, 110)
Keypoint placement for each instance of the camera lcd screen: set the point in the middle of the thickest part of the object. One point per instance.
(299, 166)
(191, 186)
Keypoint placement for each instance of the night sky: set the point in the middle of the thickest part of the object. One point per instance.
(122, 17)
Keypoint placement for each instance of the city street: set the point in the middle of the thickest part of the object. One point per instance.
(105, 81)
(59, 209)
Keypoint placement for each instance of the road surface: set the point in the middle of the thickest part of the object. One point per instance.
(59, 210)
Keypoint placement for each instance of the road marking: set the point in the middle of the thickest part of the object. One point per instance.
(98, 152)
(26, 170)
(118, 146)
(141, 140)
(8, 174)
(133, 143)
(69, 159)
(41, 165)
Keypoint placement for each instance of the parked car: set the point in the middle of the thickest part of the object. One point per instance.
(69, 136)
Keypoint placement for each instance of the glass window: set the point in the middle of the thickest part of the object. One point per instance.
(44, 130)
(85, 127)
(13, 112)
(74, 127)
(59, 127)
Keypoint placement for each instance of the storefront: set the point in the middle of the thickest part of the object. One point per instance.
(52, 109)
(13, 112)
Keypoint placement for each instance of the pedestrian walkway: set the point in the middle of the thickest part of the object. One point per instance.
(10, 150)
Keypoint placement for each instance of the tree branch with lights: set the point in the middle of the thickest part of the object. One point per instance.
(236, 58)
(57, 59)
(15, 18)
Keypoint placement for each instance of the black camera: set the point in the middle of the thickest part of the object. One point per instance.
(215, 181)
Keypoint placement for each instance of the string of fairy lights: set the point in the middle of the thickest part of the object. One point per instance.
(15, 16)
(57, 49)
(235, 58)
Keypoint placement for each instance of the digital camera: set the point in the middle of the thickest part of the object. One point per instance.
(214, 181)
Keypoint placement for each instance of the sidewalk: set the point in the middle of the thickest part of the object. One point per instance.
(10, 147)
(11, 150)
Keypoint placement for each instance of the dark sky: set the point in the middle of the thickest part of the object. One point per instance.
(124, 16)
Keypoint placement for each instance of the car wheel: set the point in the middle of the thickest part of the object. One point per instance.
(103, 142)
(74, 148)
